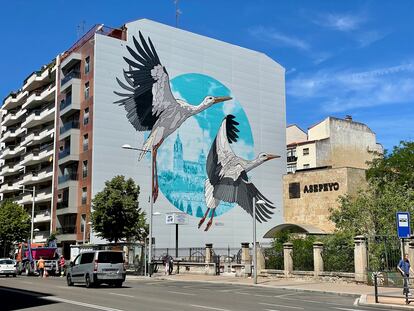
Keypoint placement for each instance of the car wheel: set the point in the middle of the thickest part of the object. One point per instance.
(118, 284)
(69, 280)
(14, 275)
(88, 283)
(27, 270)
(7, 275)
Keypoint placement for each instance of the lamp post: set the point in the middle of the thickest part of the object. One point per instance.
(255, 203)
(127, 146)
(84, 229)
(33, 191)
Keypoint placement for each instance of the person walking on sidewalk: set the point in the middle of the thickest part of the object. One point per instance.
(62, 264)
(41, 267)
(404, 268)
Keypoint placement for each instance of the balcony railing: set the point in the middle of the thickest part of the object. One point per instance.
(66, 230)
(64, 153)
(69, 125)
(65, 103)
(71, 75)
(292, 159)
(66, 177)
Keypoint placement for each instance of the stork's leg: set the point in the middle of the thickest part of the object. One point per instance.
(204, 218)
(210, 222)
(155, 176)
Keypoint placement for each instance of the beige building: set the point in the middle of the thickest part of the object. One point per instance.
(326, 162)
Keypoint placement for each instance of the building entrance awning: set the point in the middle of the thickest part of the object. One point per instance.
(294, 228)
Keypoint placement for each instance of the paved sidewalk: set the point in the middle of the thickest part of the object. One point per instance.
(364, 293)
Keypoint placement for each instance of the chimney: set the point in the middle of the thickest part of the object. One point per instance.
(348, 118)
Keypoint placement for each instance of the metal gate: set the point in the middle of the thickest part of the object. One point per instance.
(384, 253)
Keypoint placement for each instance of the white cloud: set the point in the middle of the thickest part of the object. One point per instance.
(339, 91)
(369, 37)
(278, 38)
(341, 22)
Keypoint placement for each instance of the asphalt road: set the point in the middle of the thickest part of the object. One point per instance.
(32, 293)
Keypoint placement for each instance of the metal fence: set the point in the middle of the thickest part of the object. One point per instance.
(273, 258)
(384, 253)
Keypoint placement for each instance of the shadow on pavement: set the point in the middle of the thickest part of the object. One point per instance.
(17, 299)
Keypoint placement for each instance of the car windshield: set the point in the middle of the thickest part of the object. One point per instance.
(6, 262)
(110, 257)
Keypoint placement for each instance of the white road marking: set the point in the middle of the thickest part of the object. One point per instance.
(284, 295)
(259, 295)
(241, 293)
(346, 309)
(123, 295)
(313, 301)
(226, 290)
(275, 305)
(26, 282)
(210, 308)
(57, 299)
(180, 293)
(271, 310)
(153, 283)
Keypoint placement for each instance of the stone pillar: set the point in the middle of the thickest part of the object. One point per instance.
(317, 258)
(261, 263)
(245, 254)
(209, 253)
(411, 249)
(360, 258)
(288, 258)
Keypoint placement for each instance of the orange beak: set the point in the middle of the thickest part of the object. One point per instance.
(220, 99)
(272, 156)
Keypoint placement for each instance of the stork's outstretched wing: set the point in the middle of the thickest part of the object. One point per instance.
(228, 177)
(147, 85)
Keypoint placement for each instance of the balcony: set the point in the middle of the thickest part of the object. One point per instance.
(74, 74)
(41, 77)
(11, 151)
(10, 169)
(12, 117)
(35, 97)
(14, 100)
(292, 159)
(38, 136)
(34, 157)
(8, 187)
(34, 177)
(71, 60)
(40, 236)
(71, 104)
(64, 178)
(39, 116)
(42, 195)
(68, 126)
(42, 216)
(12, 133)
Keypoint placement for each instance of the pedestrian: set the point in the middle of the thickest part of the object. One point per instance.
(170, 265)
(166, 262)
(62, 264)
(41, 267)
(404, 268)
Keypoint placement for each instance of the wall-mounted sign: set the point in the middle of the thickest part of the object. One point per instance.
(332, 186)
(403, 224)
(176, 218)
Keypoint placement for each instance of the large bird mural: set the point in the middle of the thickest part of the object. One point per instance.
(227, 176)
(149, 102)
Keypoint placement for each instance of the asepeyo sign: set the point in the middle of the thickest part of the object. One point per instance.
(403, 225)
(176, 218)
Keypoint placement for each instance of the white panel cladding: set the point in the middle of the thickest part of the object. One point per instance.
(256, 81)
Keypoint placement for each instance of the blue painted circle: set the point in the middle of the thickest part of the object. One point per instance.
(182, 157)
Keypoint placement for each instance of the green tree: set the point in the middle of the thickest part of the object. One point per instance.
(14, 224)
(116, 214)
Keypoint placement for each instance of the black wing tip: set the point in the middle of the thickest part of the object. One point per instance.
(231, 128)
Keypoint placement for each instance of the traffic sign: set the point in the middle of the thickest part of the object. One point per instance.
(403, 225)
(176, 218)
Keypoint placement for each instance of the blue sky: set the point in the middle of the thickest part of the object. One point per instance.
(341, 57)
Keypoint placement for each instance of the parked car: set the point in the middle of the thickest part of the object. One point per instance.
(7, 267)
(96, 267)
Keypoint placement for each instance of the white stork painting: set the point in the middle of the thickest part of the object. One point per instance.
(227, 176)
(149, 102)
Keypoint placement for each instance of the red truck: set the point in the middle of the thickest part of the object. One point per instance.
(28, 255)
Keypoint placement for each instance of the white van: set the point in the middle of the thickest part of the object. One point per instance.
(97, 267)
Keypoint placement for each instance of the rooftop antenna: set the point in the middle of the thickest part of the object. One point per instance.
(80, 29)
(177, 13)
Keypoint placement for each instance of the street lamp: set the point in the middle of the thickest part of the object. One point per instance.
(127, 146)
(254, 239)
(33, 191)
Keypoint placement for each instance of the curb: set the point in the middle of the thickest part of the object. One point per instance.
(362, 301)
(257, 285)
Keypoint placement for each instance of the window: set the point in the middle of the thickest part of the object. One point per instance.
(77, 260)
(306, 165)
(291, 168)
(110, 257)
(86, 116)
(85, 142)
(83, 222)
(84, 195)
(305, 151)
(87, 258)
(87, 61)
(294, 190)
(86, 91)
(85, 168)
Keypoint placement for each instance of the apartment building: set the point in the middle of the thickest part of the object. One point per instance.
(90, 130)
(27, 135)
